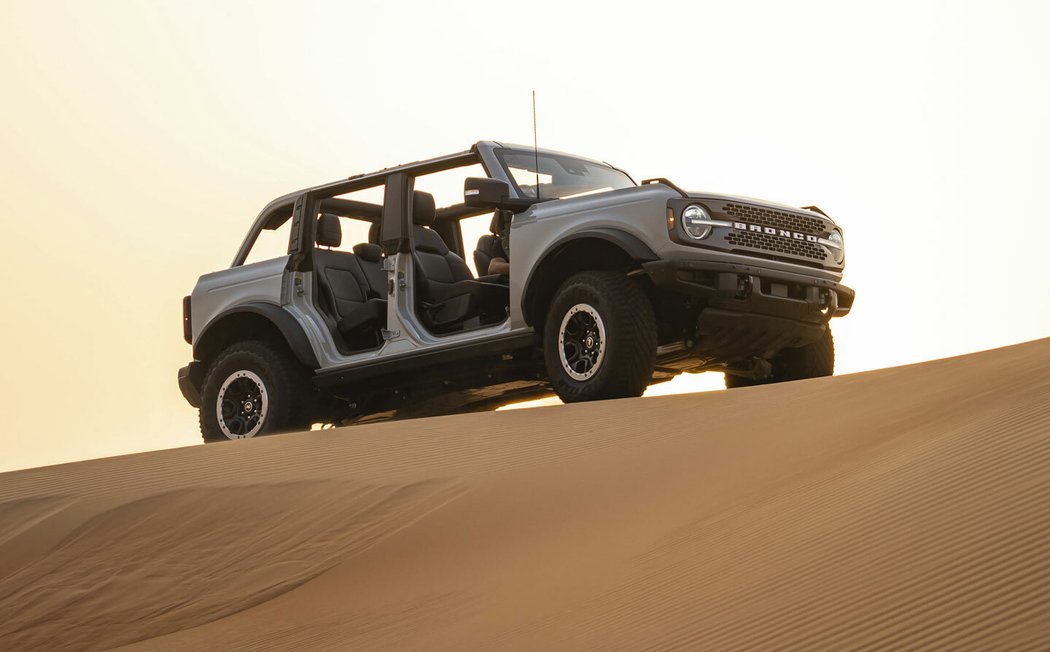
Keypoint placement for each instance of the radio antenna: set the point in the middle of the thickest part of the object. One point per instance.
(535, 144)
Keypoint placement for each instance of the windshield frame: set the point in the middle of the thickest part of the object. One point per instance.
(502, 152)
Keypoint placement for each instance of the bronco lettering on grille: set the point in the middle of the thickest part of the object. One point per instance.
(784, 233)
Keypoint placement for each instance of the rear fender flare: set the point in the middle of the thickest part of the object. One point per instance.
(294, 335)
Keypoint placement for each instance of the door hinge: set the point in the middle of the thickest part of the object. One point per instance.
(390, 335)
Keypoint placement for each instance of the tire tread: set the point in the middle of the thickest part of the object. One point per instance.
(288, 377)
(632, 350)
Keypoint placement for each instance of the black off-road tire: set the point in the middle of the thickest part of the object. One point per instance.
(287, 389)
(813, 360)
(626, 364)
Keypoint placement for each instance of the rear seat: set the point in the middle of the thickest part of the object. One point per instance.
(351, 288)
(370, 259)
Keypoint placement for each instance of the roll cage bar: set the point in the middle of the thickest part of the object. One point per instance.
(394, 214)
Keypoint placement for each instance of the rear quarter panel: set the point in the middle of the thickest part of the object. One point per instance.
(220, 291)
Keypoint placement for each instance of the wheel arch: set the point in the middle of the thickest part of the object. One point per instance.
(255, 320)
(593, 249)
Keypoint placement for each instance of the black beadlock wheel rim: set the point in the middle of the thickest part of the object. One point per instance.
(242, 405)
(581, 342)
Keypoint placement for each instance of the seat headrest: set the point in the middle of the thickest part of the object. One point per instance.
(499, 221)
(329, 233)
(422, 208)
(367, 251)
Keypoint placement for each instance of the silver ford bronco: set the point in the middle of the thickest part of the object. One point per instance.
(585, 284)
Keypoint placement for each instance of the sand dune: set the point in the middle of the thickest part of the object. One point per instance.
(901, 508)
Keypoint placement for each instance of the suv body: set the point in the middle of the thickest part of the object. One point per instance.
(686, 281)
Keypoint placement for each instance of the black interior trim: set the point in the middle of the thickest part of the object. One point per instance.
(352, 208)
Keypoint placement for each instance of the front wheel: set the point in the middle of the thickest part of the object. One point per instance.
(252, 388)
(813, 360)
(599, 338)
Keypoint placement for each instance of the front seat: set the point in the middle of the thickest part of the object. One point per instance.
(448, 294)
(490, 256)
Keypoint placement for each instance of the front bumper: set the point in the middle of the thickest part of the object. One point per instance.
(190, 378)
(743, 288)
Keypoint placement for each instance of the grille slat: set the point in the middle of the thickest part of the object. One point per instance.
(774, 218)
(767, 242)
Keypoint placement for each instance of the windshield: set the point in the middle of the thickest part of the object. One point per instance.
(559, 176)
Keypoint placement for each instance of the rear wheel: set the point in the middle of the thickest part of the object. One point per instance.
(599, 338)
(253, 388)
(810, 361)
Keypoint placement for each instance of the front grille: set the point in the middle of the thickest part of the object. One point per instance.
(776, 219)
(789, 246)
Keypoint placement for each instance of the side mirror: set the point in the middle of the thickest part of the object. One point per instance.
(482, 192)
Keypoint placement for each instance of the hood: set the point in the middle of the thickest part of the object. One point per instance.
(651, 192)
(635, 194)
(742, 199)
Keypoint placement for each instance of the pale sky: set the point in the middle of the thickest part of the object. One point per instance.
(140, 139)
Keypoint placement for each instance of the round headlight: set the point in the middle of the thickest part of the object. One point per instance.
(837, 249)
(696, 222)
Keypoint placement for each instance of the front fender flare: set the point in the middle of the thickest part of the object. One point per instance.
(630, 244)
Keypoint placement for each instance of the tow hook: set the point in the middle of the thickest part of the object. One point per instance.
(743, 286)
(832, 305)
